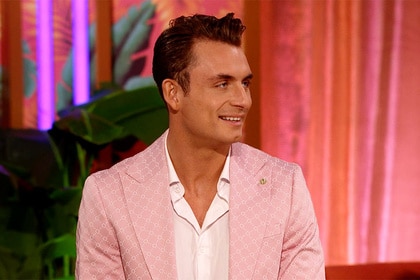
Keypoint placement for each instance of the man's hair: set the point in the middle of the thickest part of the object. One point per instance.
(173, 51)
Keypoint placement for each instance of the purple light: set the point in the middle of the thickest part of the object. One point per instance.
(80, 52)
(46, 101)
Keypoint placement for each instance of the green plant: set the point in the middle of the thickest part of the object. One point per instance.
(42, 176)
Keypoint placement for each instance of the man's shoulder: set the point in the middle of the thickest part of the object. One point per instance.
(252, 159)
(247, 152)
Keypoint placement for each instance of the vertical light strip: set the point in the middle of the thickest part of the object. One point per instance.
(372, 69)
(354, 134)
(326, 180)
(45, 55)
(80, 51)
(391, 132)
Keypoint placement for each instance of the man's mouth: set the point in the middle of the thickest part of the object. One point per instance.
(231, 119)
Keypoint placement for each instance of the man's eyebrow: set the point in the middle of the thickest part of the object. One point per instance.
(249, 77)
(230, 77)
(222, 76)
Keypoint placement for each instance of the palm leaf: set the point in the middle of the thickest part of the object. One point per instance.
(140, 112)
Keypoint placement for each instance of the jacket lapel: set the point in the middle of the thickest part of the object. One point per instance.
(150, 210)
(249, 199)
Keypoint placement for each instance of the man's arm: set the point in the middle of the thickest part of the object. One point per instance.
(302, 256)
(98, 255)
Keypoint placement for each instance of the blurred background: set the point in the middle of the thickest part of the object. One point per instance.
(336, 89)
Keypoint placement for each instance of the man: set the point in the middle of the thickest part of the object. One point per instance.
(197, 204)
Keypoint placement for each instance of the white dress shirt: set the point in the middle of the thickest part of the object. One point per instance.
(201, 253)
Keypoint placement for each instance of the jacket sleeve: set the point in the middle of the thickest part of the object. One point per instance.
(98, 255)
(302, 255)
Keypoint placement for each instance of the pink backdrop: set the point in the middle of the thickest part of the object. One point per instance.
(340, 94)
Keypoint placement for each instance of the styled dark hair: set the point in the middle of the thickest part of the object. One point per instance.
(173, 48)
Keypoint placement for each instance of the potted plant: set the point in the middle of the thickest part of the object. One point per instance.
(42, 175)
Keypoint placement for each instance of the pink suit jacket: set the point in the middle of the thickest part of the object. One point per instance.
(125, 228)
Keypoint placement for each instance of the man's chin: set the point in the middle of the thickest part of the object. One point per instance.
(237, 138)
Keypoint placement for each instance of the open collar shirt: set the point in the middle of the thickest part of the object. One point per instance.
(201, 253)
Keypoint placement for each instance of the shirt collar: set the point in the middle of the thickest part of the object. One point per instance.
(173, 177)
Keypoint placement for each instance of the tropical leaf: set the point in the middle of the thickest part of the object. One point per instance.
(64, 245)
(65, 87)
(130, 35)
(29, 72)
(139, 82)
(140, 112)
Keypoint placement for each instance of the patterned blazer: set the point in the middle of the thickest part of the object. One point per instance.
(125, 228)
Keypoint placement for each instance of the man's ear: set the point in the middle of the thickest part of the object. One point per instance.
(171, 92)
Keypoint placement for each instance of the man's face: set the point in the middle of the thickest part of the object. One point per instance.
(214, 110)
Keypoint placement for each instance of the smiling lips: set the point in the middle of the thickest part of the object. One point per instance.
(232, 119)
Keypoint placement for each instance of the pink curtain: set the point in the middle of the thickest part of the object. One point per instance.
(340, 94)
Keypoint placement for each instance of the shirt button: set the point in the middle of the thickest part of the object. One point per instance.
(177, 189)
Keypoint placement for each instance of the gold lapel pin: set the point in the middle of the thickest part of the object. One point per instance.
(263, 181)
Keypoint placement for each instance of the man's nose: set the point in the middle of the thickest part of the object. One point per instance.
(241, 96)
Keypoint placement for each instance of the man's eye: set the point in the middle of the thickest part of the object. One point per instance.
(222, 85)
(246, 84)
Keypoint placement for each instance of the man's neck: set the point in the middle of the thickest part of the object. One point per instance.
(199, 170)
(196, 167)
